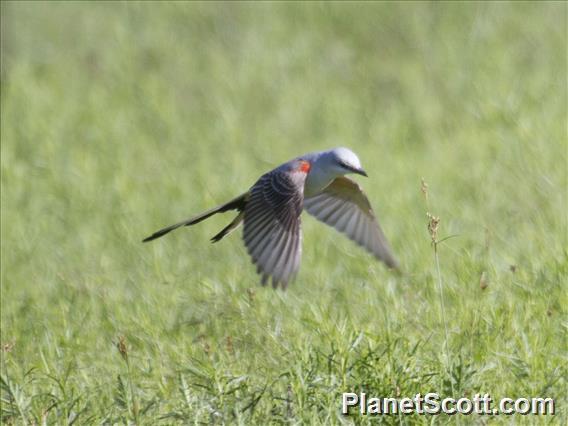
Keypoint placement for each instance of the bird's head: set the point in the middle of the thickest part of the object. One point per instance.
(344, 161)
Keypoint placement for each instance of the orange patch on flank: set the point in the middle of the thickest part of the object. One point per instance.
(305, 166)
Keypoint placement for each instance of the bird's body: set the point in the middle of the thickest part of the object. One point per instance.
(271, 211)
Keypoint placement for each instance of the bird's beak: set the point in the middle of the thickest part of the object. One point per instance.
(361, 172)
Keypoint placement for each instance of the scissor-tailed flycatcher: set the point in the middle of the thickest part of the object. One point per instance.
(271, 211)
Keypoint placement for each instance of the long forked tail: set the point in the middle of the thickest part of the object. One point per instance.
(238, 203)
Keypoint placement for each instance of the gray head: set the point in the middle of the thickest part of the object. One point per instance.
(344, 161)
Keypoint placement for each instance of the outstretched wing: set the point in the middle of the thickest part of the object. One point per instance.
(345, 206)
(272, 230)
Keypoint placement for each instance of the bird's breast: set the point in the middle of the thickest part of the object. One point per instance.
(315, 183)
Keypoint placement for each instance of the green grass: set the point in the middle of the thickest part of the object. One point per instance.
(120, 118)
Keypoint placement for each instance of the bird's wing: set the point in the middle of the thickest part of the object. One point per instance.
(343, 205)
(272, 232)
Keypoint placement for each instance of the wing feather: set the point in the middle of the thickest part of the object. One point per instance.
(329, 205)
(344, 206)
(350, 227)
(272, 228)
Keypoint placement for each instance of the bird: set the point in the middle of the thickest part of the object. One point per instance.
(270, 212)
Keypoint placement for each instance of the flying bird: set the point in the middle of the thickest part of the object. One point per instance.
(270, 212)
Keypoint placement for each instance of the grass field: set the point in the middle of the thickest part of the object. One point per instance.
(120, 118)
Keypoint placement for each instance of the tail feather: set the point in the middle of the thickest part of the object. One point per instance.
(229, 228)
(235, 204)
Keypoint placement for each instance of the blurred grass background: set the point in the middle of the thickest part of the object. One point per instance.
(119, 118)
